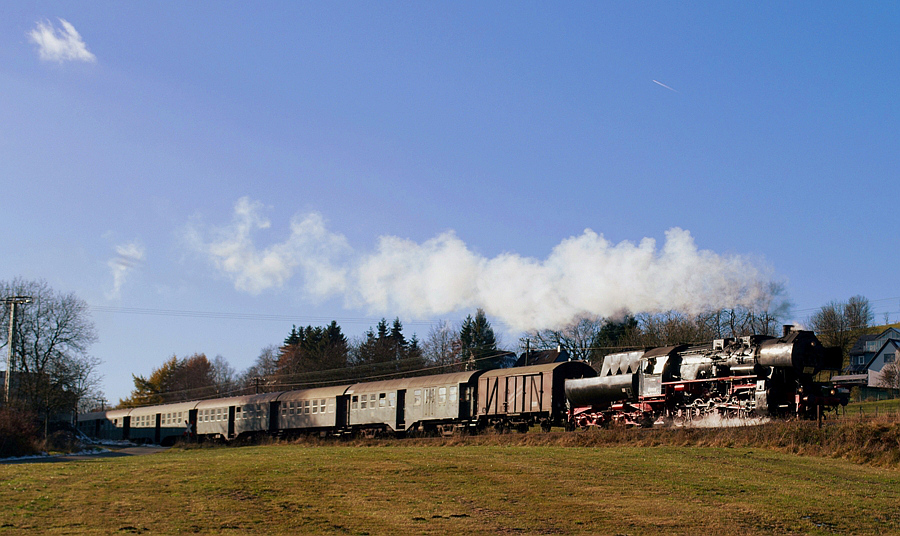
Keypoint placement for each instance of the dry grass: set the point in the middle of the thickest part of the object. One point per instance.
(676, 482)
(871, 441)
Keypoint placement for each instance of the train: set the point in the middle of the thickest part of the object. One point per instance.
(471, 401)
(753, 375)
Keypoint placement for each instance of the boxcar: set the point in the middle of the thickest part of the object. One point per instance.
(313, 410)
(522, 396)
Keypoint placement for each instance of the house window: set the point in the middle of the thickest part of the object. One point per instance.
(889, 358)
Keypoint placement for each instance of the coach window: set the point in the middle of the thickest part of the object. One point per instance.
(453, 394)
(363, 401)
(306, 406)
(442, 395)
(315, 406)
(354, 403)
(417, 397)
(372, 401)
(392, 399)
(382, 400)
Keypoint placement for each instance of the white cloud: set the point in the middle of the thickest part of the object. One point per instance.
(584, 274)
(310, 248)
(128, 257)
(60, 44)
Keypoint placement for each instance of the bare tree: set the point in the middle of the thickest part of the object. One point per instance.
(890, 374)
(441, 347)
(671, 328)
(577, 338)
(224, 376)
(53, 334)
(840, 324)
(263, 371)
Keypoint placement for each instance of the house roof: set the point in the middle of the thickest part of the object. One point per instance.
(890, 342)
(859, 347)
(542, 358)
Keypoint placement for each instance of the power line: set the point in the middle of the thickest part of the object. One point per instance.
(264, 317)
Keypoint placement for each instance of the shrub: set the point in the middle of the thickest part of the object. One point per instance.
(18, 434)
(63, 441)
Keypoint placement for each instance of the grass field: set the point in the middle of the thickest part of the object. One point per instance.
(870, 409)
(486, 486)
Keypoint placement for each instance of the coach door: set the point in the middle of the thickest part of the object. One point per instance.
(157, 432)
(401, 409)
(231, 416)
(429, 402)
(192, 420)
(126, 427)
(342, 412)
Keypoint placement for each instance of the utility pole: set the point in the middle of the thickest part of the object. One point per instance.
(12, 302)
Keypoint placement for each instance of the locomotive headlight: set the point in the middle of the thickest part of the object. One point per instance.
(833, 392)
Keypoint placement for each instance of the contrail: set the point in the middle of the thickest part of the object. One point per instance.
(665, 86)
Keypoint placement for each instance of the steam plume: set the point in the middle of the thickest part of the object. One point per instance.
(584, 274)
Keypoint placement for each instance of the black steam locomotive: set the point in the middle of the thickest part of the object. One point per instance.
(748, 376)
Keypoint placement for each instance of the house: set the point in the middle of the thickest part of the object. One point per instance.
(873, 359)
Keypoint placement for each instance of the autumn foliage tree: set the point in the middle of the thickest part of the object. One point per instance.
(177, 380)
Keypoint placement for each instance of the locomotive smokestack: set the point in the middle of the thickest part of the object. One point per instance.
(787, 329)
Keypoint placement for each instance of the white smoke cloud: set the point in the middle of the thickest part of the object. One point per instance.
(584, 274)
(309, 248)
(128, 257)
(60, 44)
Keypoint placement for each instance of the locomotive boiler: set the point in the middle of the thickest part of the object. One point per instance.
(756, 375)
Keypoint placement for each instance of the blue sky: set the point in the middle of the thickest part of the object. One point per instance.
(270, 164)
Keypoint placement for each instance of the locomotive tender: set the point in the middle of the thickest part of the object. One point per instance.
(749, 376)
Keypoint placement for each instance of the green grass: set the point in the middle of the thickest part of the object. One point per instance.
(490, 486)
(869, 409)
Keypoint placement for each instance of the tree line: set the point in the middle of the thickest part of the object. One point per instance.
(315, 356)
